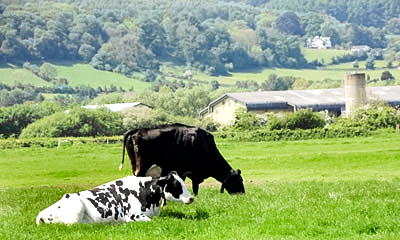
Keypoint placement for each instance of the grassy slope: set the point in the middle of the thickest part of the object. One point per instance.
(11, 76)
(314, 189)
(79, 74)
(324, 55)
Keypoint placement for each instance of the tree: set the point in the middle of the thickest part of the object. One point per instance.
(289, 23)
(78, 122)
(48, 72)
(86, 52)
(275, 83)
(386, 75)
(370, 62)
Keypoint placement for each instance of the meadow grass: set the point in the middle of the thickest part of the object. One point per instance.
(12, 76)
(325, 55)
(85, 74)
(313, 189)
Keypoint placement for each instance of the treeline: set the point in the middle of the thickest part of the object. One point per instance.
(364, 12)
(213, 36)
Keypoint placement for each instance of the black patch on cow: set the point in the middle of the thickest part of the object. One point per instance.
(67, 195)
(174, 187)
(119, 183)
(111, 198)
(233, 182)
(147, 196)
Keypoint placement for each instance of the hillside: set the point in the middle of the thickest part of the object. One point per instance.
(214, 37)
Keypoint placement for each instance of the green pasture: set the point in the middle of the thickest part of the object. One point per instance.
(323, 55)
(13, 76)
(77, 74)
(314, 189)
(85, 74)
(332, 72)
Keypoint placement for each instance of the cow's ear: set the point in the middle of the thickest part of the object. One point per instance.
(238, 171)
(154, 171)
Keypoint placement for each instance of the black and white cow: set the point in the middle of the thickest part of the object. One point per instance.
(125, 200)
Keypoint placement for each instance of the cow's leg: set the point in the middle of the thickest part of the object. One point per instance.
(138, 218)
(195, 187)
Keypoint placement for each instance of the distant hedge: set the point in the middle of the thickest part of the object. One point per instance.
(56, 142)
(287, 134)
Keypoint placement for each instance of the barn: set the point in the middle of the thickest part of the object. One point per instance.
(222, 109)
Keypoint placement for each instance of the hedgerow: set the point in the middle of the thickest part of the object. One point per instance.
(56, 142)
(265, 134)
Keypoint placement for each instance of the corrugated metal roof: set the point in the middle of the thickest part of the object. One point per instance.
(115, 107)
(317, 99)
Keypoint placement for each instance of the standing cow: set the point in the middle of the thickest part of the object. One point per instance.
(125, 200)
(189, 151)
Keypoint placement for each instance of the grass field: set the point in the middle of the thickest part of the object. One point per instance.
(78, 74)
(323, 55)
(11, 76)
(84, 74)
(314, 189)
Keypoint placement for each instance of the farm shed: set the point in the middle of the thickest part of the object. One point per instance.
(118, 107)
(223, 109)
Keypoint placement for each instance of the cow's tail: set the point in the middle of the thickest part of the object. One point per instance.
(124, 145)
(123, 153)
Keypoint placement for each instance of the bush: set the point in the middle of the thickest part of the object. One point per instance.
(372, 116)
(14, 119)
(302, 119)
(146, 117)
(264, 134)
(245, 120)
(77, 122)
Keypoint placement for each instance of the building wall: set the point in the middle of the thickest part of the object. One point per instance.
(224, 111)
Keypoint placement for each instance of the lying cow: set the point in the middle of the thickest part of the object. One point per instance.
(125, 200)
(189, 151)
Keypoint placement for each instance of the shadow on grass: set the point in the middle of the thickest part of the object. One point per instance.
(198, 216)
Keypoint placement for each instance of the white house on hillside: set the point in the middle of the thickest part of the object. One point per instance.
(319, 42)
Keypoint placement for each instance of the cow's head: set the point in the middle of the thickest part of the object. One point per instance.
(175, 189)
(66, 210)
(233, 183)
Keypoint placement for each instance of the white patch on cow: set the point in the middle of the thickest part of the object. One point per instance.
(69, 209)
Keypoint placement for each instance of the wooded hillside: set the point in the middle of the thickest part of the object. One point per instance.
(212, 36)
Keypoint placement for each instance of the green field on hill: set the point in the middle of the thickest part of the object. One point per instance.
(84, 74)
(76, 74)
(313, 189)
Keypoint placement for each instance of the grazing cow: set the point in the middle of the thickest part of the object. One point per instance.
(189, 151)
(125, 200)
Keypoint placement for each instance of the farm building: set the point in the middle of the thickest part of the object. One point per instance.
(223, 109)
(118, 107)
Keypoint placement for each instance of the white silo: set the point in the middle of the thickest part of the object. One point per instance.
(355, 92)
